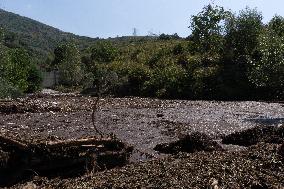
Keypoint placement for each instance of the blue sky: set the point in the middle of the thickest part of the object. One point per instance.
(109, 18)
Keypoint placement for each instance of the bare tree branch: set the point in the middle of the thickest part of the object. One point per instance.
(94, 110)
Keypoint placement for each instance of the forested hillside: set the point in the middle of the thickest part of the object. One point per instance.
(39, 39)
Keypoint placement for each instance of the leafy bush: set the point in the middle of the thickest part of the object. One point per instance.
(34, 79)
(68, 62)
(166, 82)
(103, 52)
(18, 69)
(7, 90)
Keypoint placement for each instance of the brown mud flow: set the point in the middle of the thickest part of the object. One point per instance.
(20, 161)
(50, 142)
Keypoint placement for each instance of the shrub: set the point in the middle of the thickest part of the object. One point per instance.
(34, 79)
(103, 52)
(166, 82)
(68, 62)
(7, 90)
(18, 69)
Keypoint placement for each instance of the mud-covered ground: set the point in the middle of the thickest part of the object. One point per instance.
(144, 123)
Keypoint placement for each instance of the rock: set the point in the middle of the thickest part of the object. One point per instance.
(190, 143)
(30, 185)
(213, 184)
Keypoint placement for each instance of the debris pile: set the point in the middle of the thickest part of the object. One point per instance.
(4, 157)
(190, 143)
(27, 105)
(267, 134)
(281, 150)
(36, 104)
(60, 158)
(257, 167)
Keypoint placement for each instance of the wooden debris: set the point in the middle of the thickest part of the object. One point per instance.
(4, 141)
(62, 158)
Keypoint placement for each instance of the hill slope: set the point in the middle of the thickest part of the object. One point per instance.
(38, 38)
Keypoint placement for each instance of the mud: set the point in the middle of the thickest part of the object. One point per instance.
(264, 133)
(192, 143)
(144, 124)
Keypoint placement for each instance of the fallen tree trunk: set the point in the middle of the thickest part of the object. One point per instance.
(62, 158)
(8, 142)
(88, 142)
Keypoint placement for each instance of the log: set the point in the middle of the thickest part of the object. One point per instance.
(62, 158)
(12, 143)
(92, 142)
(54, 164)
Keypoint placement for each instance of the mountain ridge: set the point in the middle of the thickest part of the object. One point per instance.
(38, 38)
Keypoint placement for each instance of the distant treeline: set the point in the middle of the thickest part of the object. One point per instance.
(227, 57)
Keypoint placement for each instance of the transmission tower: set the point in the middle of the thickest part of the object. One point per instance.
(135, 31)
(212, 2)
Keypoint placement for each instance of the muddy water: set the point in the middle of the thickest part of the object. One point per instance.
(143, 123)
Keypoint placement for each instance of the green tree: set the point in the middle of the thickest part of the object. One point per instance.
(277, 25)
(103, 52)
(208, 29)
(268, 71)
(68, 62)
(244, 30)
(18, 69)
(242, 34)
(7, 90)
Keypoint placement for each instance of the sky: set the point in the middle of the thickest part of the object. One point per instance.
(111, 18)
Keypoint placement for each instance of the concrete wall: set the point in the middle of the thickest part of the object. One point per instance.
(50, 79)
